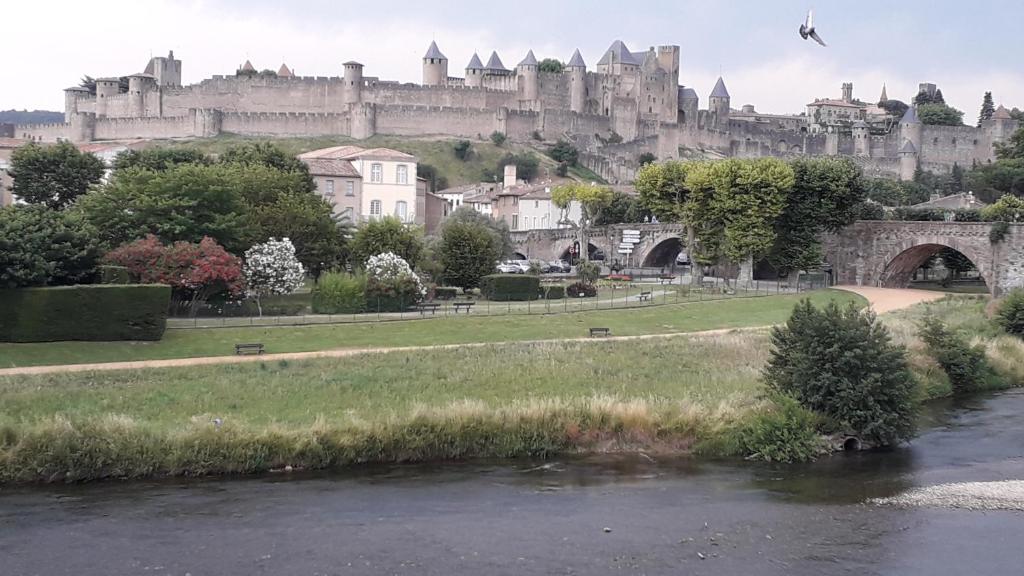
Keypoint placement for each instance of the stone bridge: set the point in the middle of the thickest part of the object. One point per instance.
(886, 254)
(659, 243)
(867, 253)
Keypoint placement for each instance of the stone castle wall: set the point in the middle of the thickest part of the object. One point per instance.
(286, 124)
(423, 120)
(129, 128)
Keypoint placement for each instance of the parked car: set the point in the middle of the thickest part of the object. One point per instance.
(524, 265)
(560, 266)
(509, 268)
(683, 259)
(545, 267)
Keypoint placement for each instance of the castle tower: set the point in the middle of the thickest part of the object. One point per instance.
(910, 128)
(435, 67)
(908, 161)
(690, 103)
(105, 88)
(166, 71)
(884, 97)
(71, 97)
(848, 92)
(1001, 126)
(718, 104)
(285, 72)
(475, 72)
(138, 85)
(353, 82)
(529, 71)
(83, 127)
(668, 60)
(577, 83)
(861, 139)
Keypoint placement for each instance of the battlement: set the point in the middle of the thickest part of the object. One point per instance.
(278, 115)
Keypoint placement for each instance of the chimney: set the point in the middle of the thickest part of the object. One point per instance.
(510, 175)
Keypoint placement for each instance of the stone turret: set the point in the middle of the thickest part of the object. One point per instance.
(528, 72)
(71, 97)
(83, 127)
(848, 92)
(577, 83)
(105, 88)
(861, 139)
(689, 102)
(668, 60)
(475, 72)
(353, 82)
(435, 67)
(718, 104)
(166, 71)
(138, 85)
(910, 128)
(908, 161)
(1001, 126)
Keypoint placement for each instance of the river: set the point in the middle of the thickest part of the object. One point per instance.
(597, 515)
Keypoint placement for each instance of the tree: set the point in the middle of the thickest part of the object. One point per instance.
(391, 285)
(894, 108)
(1006, 209)
(551, 66)
(939, 115)
(565, 153)
(646, 158)
(623, 209)
(965, 365)
(497, 228)
(271, 268)
(825, 196)
(269, 155)
(194, 271)
(159, 159)
(991, 181)
(53, 175)
(956, 179)
(592, 200)
(498, 138)
(988, 108)
(385, 235)
(956, 262)
(309, 222)
(662, 189)
(430, 173)
(1010, 313)
(526, 165)
(895, 193)
(1013, 149)
(42, 247)
(463, 149)
(842, 363)
(468, 252)
(923, 97)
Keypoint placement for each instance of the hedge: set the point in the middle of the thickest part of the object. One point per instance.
(504, 287)
(339, 293)
(99, 312)
(553, 292)
(445, 292)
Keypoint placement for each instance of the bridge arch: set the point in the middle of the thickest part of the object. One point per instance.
(907, 256)
(663, 252)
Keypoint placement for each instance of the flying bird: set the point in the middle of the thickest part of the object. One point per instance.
(807, 29)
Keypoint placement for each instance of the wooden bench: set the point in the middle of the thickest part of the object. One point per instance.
(467, 306)
(645, 296)
(666, 279)
(241, 349)
(432, 306)
(594, 332)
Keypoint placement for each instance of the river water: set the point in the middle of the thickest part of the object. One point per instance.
(599, 515)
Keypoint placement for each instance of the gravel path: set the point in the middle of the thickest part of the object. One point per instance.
(884, 300)
(1001, 495)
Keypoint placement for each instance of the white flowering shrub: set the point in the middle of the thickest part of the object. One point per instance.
(391, 285)
(272, 268)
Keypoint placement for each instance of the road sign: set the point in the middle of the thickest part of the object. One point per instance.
(631, 232)
(625, 250)
(626, 245)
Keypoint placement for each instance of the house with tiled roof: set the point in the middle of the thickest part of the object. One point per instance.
(366, 183)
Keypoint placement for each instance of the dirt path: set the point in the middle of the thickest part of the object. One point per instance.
(881, 300)
(884, 300)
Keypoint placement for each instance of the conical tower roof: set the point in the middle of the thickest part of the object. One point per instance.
(284, 71)
(577, 60)
(530, 59)
(719, 91)
(434, 53)
(475, 63)
(1001, 113)
(248, 67)
(910, 117)
(494, 63)
(884, 97)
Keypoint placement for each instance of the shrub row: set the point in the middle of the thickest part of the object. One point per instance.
(516, 287)
(99, 312)
(339, 293)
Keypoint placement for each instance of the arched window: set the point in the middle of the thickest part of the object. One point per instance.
(375, 209)
(401, 210)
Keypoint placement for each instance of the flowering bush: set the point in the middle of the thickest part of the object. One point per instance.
(272, 268)
(581, 290)
(391, 285)
(194, 271)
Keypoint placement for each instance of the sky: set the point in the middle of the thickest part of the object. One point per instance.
(966, 48)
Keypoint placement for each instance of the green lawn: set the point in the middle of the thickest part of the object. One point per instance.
(689, 317)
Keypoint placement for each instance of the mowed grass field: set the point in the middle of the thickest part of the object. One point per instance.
(690, 317)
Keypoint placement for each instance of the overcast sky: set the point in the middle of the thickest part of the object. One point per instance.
(964, 47)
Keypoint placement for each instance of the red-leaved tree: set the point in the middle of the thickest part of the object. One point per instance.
(193, 271)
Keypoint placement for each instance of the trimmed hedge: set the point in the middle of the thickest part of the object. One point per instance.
(504, 287)
(98, 312)
(445, 292)
(554, 292)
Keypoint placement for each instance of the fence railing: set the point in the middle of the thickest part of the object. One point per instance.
(611, 296)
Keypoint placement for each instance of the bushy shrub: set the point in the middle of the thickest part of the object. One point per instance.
(498, 138)
(113, 275)
(581, 290)
(1010, 314)
(965, 365)
(505, 287)
(588, 272)
(391, 285)
(869, 210)
(553, 292)
(787, 432)
(97, 312)
(842, 364)
(339, 293)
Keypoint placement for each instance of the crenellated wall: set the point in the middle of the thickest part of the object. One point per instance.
(421, 120)
(286, 123)
(129, 128)
(44, 132)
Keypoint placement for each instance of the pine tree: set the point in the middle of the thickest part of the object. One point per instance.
(988, 108)
(956, 179)
(938, 99)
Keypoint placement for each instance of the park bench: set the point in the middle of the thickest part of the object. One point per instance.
(645, 296)
(594, 332)
(255, 348)
(432, 306)
(666, 278)
(463, 306)
(707, 285)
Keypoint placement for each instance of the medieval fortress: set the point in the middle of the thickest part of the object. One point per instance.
(628, 104)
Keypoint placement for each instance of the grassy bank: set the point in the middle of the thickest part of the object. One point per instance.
(689, 317)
